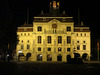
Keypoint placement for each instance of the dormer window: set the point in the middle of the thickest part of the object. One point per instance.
(81, 29)
(25, 29)
(64, 19)
(44, 19)
(39, 28)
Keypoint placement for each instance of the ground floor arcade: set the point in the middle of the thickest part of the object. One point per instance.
(53, 56)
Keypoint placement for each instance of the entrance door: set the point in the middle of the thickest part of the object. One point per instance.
(39, 57)
(76, 55)
(84, 57)
(49, 57)
(68, 57)
(59, 57)
(28, 55)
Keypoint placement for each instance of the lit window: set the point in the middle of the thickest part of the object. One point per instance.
(39, 39)
(68, 39)
(49, 39)
(84, 47)
(78, 47)
(59, 49)
(39, 28)
(68, 28)
(59, 39)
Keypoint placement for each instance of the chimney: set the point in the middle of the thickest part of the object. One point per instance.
(41, 11)
(82, 23)
(64, 12)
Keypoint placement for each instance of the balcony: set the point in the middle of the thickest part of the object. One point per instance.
(55, 31)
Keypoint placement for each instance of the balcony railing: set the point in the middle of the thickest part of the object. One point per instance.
(54, 31)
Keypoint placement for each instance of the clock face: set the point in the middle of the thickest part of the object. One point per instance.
(54, 26)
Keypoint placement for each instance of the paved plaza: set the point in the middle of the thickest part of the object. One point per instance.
(48, 68)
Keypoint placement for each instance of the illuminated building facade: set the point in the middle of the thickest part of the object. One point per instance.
(53, 37)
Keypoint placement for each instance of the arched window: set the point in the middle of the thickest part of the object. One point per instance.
(68, 28)
(59, 57)
(39, 28)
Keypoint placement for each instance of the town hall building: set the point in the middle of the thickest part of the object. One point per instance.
(53, 37)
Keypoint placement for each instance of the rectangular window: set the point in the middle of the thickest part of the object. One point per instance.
(39, 49)
(77, 41)
(78, 47)
(59, 49)
(22, 46)
(39, 39)
(28, 46)
(49, 49)
(49, 39)
(77, 34)
(84, 47)
(59, 39)
(68, 39)
(68, 49)
(68, 28)
(39, 28)
(22, 41)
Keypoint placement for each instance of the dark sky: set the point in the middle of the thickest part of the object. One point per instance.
(16, 10)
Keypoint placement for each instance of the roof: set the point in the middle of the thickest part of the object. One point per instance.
(81, 29)
(27, 25)
(53, 15)
(43, 19)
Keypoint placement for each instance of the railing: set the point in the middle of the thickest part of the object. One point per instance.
(54, 31)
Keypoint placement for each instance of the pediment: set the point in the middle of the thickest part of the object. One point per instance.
(54, 21)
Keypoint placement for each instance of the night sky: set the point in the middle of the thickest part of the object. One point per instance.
(13, 13)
